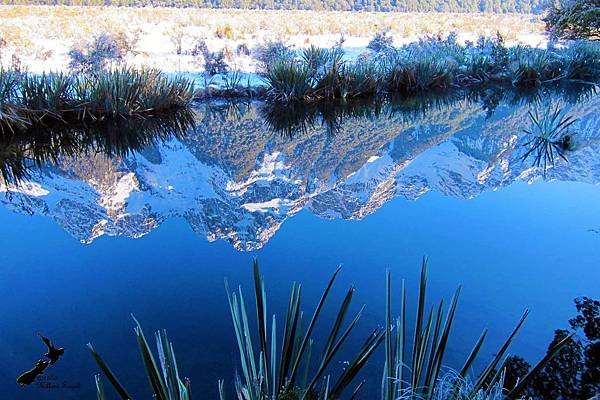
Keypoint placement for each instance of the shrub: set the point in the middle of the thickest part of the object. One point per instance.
(242, 50)
(271, 53)
(574, 373)
(382, 42)
(224, 32)
(214, 61)
(97, 55)
(176, 35)
(495, 49)
(127, 40)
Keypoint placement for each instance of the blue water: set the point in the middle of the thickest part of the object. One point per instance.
(521, 246)
(534, 250)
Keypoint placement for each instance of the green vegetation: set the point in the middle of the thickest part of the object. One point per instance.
(28, 101)
(269, 375)
(430, 64)
(418, 376)
(574, 19)
(285, 374)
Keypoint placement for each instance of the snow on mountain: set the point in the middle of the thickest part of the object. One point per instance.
(233, 180)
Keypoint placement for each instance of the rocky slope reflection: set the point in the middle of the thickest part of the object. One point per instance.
(237, 172)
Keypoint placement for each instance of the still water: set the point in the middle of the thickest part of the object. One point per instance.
(149, 219)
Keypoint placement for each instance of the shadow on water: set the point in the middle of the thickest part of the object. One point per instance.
(19, 153)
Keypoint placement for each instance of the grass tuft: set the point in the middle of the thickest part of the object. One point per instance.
(427, 65)
(27, 101)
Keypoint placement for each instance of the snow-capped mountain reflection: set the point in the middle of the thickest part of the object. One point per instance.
(232, 178)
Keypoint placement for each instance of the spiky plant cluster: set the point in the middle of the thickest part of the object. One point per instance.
(286, 369)
(549, 137)
(413, 370)
(28, 100)
(583, 61)
(532, 66)
(321, 74)
(163, 376)
(430, 64)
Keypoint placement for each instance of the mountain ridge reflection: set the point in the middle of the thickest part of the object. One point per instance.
(236, 171)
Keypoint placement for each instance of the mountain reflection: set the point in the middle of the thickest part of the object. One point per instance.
(236, 171)
(20, 153)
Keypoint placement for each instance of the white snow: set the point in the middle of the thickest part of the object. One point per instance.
(28, 188)
(265, 206)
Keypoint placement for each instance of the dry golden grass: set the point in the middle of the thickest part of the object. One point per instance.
(39, 37)
(62, 22)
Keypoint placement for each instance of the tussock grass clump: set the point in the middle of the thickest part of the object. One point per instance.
(583, 61)
(321, 74)
(29, 100)
(532, 67)
(430, 64)
(415, 73)
(289, 82)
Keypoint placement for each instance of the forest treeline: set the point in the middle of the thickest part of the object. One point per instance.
(471, 6)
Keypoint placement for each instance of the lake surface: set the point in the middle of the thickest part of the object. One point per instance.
(148, 220)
